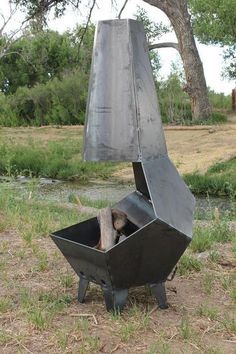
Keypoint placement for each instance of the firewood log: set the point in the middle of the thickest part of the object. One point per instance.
(111, 222)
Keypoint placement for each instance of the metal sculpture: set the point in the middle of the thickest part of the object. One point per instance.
(123, 124)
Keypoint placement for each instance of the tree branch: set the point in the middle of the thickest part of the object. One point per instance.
(157, 3)
(164, 45)
(122, 9)
(88, 20)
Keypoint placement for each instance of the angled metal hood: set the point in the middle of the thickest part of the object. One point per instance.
(122, 119)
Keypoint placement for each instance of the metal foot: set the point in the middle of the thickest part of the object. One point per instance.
(115, 299)
(159, 291)
(83, 286)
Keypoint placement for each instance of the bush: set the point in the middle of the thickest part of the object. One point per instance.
(220, 179)
(57, 102)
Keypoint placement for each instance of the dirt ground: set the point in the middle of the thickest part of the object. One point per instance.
(201, 315)
(199, 319)
(196, 148)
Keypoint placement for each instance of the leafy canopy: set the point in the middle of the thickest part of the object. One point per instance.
(214, 22)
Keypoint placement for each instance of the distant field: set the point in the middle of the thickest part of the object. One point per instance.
(56, 153)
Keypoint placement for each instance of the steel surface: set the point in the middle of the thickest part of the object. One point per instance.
(122, 119)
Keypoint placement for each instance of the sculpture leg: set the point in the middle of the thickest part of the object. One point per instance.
(83, 286)
(115, 299)
(159, 291)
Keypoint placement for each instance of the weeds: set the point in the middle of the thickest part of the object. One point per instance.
(66, 280)
(205, 311)
(32, 219)
(42, 263)
(4, 337)
(127, 331)
(187, 264)
(40, 309)
(220, 179)
(159, 348)
(56, 159)
(214, 256)
(185, 329)
(62, 339)
(205, 237)
(230, 324)
(5, 304)
(207, 283)
(83, 324)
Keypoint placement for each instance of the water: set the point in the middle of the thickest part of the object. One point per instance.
(59, 191)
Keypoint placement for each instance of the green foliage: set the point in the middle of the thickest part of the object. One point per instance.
(56, 102)
(58, 159)
(214, 23)
(174, 102)
(153, 32)
(214, 20)
(37, 58)
(205, 237)
(220, 179)
(39, 9)
(188, 264)
(230, 62)
(220, 100)
(45, 76)
(214, 118)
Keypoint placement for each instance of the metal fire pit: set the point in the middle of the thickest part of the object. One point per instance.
(123, 124)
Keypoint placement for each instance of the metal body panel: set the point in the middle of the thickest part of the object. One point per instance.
(122, 118)
(146, 256)
(172, 200)
(77, 244)
(138, 208)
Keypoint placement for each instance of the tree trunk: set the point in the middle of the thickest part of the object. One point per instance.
(177, 12)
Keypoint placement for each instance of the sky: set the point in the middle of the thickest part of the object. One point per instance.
(211, 56)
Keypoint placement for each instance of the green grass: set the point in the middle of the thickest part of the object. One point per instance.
(185, 329)
(206, 311)
(5, 304)
(205, 237)
(55, 159)
(214, 118)
(32, 219)
(220, 180)
(188, 264)
(40, 308)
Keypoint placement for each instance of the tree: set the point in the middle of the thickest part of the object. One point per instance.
(41, 56)
(214, 22)
(12, 36)
(153, 32)
(177, 12)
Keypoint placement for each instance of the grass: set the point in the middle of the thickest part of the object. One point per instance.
(32, 220)
(159, 348)
(207, 283)
(41, 290)
(5, 304)
(60, 159)
(40, 308)
(214, 119)
(205, 310)
(205, 237)
(188, 264)
(185, 329)
(66, 280)
(219, 180)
